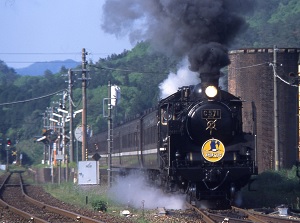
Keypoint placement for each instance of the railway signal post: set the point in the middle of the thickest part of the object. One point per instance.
(84, 108)
(112, 100)
(8, 144)
(110, 136)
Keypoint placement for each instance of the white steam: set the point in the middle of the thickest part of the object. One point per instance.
(183, 77)
(133, 191)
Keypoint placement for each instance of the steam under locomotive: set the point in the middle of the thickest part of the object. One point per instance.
(193, 142)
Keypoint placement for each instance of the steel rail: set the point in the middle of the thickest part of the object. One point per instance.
(16, 211)
(205, 217)
(57, 210)
(250, 215)
(268, 218)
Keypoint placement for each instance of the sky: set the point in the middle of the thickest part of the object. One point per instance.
(43, 30)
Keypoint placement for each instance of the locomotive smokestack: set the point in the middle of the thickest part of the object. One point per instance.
(209, 79)
(208, 60)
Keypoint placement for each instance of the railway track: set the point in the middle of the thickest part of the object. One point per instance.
(14, 199)
(17, 206)
(260, 217)
(238, 215)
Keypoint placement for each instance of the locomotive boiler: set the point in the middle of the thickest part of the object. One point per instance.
(192, 143)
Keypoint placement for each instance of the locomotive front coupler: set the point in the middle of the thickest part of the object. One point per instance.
(212, 175)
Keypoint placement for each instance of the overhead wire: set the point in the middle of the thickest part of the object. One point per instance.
(32, 99)
(43, 53)
(280, 78)
(39, 53)
(254, 65)
(39, 62)
(274, 71)
(53, 53)
(127, 70)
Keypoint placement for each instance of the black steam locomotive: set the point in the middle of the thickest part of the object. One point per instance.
(193, 142)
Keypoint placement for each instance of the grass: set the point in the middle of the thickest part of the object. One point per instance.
(93, 198)
(73, 194)
(273, 188)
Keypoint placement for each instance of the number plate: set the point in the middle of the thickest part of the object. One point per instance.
(211, 114)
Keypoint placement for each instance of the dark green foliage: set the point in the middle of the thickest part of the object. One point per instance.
(20, 119)
(274, 22)
(137, 72)
(99, 206)
(273, 189)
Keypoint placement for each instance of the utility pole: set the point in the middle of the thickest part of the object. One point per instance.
(70, 87)
(276, 155)
(298, 115)
(45, 146)
(64, 135)
(7, 147)
(51, 144)
(110, 136)
(84, 108)
(63, 124)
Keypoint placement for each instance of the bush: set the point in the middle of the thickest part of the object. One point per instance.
(273, 188)
(99, 206)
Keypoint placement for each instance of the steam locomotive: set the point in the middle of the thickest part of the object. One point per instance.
(192, 143)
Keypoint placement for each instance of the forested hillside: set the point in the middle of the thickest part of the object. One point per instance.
(25, 99)
(138, 72)
(274, 22)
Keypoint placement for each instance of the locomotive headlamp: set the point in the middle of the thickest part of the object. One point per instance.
(211, 91)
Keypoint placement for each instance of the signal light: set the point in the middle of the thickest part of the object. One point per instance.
(8, 142)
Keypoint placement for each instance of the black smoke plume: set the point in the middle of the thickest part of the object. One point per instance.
(199, 29)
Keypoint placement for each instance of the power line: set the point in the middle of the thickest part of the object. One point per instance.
(49, 53)
(43, 54)
(127, 70)
(39, 53)
(270, 64)
(254, 65)
(39, 62)
(53, 53)
(32, 99)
